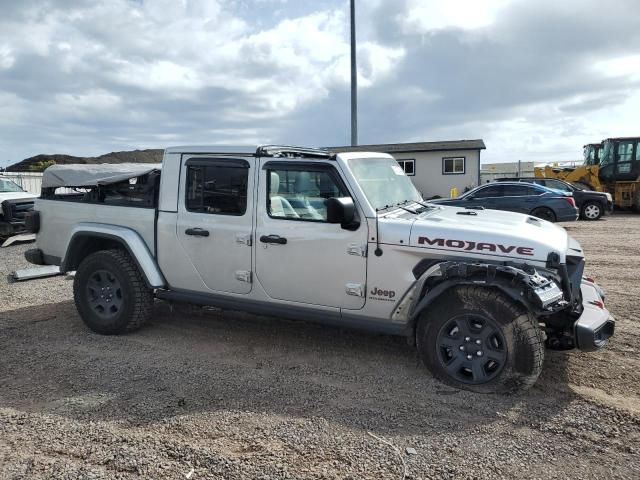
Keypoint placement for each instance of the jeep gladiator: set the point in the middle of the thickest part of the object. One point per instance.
(343, 239)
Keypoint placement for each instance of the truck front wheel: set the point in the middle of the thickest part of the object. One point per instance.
(479, 339)
(110, 293)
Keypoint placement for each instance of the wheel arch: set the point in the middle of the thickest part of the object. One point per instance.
(544, 207)
(87, 238)
(484, 276)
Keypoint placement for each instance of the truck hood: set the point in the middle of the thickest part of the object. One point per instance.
(16, 196)
(491, 233)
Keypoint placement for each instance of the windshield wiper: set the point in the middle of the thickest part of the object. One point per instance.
(408, 210)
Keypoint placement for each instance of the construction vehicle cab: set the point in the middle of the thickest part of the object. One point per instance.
(611, 166)
(619, 170)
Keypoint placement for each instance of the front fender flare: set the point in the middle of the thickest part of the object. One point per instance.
(128, 238)
(504, 278)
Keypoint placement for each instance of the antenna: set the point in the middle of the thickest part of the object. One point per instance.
(378, 250)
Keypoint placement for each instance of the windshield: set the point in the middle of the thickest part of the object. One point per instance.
(383, 181)
(7, 186)
(606, 155)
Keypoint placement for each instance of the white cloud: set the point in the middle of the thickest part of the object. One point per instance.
(6, 58)
(628, 66)
(87, 76)
(427, 15)
(91, 102)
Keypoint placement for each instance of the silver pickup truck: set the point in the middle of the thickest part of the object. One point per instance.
(343, 239)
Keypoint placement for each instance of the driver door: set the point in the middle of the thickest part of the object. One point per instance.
(300, 257)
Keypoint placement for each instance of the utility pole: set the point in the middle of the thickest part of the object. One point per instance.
(354, 79)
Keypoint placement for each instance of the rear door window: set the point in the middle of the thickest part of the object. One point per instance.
(489, 192)
(556, 185)
(516, 190)
(217, 188)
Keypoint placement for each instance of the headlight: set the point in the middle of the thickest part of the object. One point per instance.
(609, 196)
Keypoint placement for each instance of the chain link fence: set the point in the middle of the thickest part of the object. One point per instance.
(29, 181)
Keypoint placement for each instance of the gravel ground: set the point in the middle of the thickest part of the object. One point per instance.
(208, 394)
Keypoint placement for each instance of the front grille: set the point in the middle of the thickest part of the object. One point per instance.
(15, 211)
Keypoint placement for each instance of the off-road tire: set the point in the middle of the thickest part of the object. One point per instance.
(591, 211)
(523, 339)
(545, 214)
(136, 299)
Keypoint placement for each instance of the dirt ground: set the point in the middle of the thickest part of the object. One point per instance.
(210, 394)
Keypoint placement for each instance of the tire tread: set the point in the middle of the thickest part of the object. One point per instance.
(528, 362)
(141, 295)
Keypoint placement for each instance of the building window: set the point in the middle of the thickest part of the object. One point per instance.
(453, 165)
(409, 166)
(217, 189)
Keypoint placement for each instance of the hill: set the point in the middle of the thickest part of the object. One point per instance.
(40, 162)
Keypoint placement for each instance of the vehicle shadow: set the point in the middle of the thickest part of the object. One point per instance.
(190, 360)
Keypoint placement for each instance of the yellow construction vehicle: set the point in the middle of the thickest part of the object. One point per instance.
(611, 166)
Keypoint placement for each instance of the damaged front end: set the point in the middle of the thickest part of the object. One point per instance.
(570, 309)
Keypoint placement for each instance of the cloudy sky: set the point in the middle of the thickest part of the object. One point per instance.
(535, 79)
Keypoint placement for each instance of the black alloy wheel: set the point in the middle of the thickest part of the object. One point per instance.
(104, 294)
(110, 293)
(472, 349)
(479, 339)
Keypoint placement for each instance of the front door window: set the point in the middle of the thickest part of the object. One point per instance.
(301, 194)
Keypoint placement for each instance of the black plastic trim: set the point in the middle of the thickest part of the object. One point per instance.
(217, 162)
(298, 165)
(589, 339)
(288, 311)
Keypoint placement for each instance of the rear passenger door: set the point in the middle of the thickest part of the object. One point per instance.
(214, 223)
(517, 198)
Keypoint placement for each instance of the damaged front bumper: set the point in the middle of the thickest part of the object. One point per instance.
(595, 325)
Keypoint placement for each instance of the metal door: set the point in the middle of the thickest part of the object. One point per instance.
(299, 256)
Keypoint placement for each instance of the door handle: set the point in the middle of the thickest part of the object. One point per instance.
(273, 239)
(197, 232)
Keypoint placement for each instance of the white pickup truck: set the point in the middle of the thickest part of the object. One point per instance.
(343, 239)
(14, 204)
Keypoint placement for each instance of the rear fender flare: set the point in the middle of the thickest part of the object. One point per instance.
(84, 234)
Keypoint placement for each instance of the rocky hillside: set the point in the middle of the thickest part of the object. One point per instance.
(40, 162)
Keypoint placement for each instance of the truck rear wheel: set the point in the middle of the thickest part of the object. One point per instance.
(110, 293)
(479, 339)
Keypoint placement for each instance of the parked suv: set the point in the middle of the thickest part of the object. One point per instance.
(591, 204)
(343, 239)
(541, 202)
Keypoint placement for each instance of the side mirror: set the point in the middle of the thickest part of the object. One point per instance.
(341, 210)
